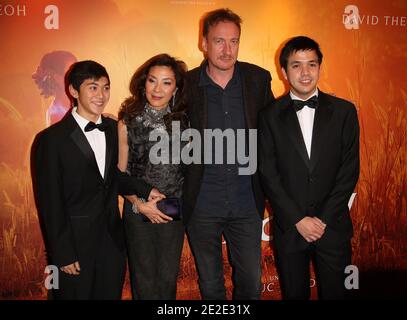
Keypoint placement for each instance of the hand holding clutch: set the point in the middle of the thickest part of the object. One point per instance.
(170, 207)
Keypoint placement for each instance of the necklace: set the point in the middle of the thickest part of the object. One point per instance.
(154, 118)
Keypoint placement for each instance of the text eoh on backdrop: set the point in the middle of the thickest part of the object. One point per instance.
(364, 45)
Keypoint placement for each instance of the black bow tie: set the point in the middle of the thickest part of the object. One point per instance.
(91, 126)
(310, 103)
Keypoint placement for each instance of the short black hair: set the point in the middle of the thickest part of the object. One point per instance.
(83, 70)
(212, 18)
(297, 44)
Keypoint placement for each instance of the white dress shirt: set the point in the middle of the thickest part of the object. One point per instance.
(96, 139)
(306, 119)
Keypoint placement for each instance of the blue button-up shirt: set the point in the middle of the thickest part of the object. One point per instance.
(223, 191)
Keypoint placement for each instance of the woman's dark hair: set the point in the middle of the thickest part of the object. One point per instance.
(135, 104)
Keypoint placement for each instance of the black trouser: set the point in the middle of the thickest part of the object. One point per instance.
(243, 236)
(329, 266)
(101, 276)
(154, 252)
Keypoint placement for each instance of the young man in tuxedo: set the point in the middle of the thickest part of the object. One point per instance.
(225, 94)
(76, 184)
(309, 166)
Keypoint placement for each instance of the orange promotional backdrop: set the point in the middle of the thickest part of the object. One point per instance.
(365, 61)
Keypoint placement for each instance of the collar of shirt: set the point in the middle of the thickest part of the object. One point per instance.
(205, 79)
(82, 122)
(294, 97)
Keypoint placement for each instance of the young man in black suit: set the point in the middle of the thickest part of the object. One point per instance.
(76, 185)
(309, 166)
(225, 94)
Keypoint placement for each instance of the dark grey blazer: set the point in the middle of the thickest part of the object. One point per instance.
(256, 84)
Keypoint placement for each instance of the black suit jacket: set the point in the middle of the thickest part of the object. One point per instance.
(75, 203)
(256, 86)
(297, 186)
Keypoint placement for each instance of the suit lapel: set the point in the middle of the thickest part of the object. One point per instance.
(323, 115)
(199, 102)
(292, 126)
(110, 145)
(82, 143)
(202, 109)
(249, 109)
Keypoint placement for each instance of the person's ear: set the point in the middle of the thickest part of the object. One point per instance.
(284, 73)
(204, 44)
(73, 92)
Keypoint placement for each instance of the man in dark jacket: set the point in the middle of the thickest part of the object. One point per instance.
(224, 97)
(76, 185)
(309, 166)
